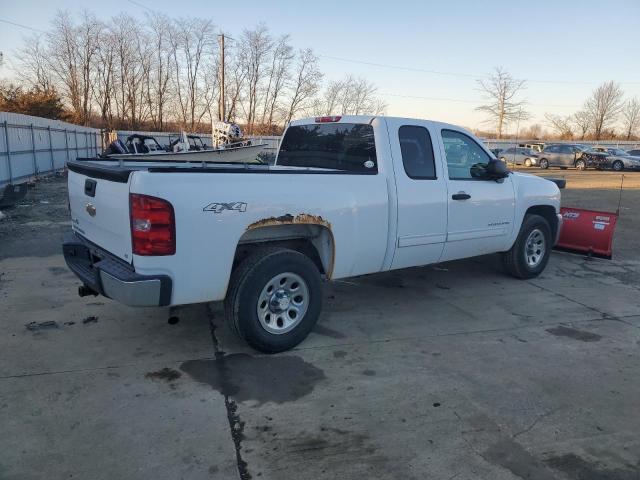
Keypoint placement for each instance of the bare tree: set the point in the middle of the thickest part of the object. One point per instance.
(159, 79)
(500, 90)
(631, 117)
(193, 44)
(533, 131)
(350, 96)
(33, 68)
(281, 58)
(561, 125)
(306, 82)
(234, 88)
(583, 122)
(604, 106)
(255, 46)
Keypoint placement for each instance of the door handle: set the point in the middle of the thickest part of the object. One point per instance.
(461, 196)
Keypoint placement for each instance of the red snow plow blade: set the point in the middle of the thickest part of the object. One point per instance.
(587, 231)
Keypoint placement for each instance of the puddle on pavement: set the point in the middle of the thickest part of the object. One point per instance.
(575, 334)
(263, 379)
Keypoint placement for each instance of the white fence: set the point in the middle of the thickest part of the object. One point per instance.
(30, 146)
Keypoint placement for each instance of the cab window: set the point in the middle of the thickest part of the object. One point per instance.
(465, 158)
(417, 152)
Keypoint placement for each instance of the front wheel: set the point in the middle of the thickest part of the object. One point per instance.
(544, 164)
(274, 299)
(581, 164)
(617, 166)
(529, 255)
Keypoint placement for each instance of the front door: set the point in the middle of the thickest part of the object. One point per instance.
(481, 212)
(421, 193)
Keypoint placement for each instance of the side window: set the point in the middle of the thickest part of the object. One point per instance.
(417, 152)
(552, 149)
(465, 158)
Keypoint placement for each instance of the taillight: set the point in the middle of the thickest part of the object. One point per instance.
(328, 119)
(153, 225)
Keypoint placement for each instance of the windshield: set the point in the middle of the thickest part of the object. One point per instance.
(152, 145)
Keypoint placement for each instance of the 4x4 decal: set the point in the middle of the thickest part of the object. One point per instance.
(220, 206)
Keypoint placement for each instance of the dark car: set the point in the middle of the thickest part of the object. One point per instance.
(634, 153)
(565, 155)
(520, 156)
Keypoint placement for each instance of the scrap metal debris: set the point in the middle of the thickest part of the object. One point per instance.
(48, 324)
(90, 319)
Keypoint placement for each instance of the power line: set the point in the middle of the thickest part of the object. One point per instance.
(22, 26)
(461, 100)
(456, 74)
(140, 5)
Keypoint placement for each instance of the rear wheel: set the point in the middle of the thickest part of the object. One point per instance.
(529, 255)
(581, 164)
(274, 299)
(544, 163)
(618, 166)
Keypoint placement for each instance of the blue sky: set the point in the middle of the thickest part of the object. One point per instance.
(564, 49)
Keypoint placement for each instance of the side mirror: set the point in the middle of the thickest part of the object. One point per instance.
(496, 169)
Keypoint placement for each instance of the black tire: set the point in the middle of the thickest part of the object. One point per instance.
(515, 260)
(581, 164)
(246, 285)
(617, 166)
(544, 163)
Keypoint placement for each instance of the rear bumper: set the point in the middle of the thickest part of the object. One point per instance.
(112, 277)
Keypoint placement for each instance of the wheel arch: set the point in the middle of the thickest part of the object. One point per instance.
(547, 212)
(313, 239)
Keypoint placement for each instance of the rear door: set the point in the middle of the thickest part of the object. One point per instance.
(567, 155)
(100, 210)
(480, 212)
(421, 193)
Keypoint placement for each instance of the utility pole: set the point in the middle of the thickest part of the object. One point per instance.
(221, 110)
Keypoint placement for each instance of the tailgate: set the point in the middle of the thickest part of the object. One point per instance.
(100, 210)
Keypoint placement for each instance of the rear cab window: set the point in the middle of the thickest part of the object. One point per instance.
(417, 152)
(348, 147)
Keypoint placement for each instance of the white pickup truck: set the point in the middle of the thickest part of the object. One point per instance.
(347, 196)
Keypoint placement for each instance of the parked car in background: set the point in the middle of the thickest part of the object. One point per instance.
(497, 151)
(635, 153)
(520, 156)
(536, 146)
(565, 155)
(617, 159)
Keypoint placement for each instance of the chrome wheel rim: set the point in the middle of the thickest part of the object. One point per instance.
(535, 248)
(617, 166)
(283, 303)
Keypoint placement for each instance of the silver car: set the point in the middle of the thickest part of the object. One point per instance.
(618, 160)
(520, 156)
